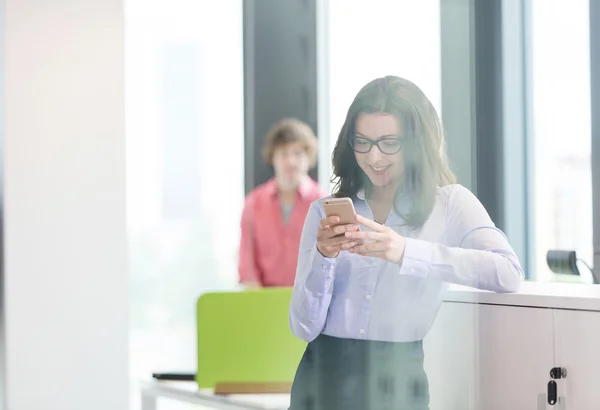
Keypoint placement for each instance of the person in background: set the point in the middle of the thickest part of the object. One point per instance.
(365, 298)
(274, 212)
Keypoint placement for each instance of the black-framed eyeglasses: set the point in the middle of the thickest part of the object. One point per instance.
(387, 145)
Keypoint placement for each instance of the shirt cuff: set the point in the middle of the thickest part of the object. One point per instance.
(321, 276)
(418, 255)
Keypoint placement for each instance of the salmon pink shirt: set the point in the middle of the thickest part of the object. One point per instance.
(269, 244)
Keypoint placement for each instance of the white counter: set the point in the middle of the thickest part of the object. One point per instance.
(495, 351)
(534, 294)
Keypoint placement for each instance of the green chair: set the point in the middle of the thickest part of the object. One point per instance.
(245, 338)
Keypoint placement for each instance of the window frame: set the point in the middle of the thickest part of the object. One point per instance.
(594, 7)
(520, 142)
(519, 164)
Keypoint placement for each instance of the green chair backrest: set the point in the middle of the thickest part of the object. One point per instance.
(245, 337)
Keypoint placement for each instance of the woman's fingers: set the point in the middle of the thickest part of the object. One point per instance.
(339, 240)
(380, 255)
(333, 238)
(370, 224)
(369, 247)
(341, 229)
(331, 242)
(328, 221)
(335, 231)
(372, 236)
(348, 245)
(331, 249)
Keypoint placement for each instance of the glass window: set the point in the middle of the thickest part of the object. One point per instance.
(372, 39)
(185, 147)
(561, 137)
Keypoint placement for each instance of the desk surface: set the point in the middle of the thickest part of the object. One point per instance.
(189, 392)
(533, 294)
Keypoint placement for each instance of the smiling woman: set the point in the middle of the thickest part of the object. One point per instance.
(410, 147)
(364, 299)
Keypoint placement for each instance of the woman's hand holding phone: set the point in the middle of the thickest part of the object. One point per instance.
(382, 242)
(331, 239)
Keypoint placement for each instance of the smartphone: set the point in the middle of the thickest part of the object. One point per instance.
(342, 208)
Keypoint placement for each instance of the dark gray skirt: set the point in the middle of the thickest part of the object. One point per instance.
(348, 374)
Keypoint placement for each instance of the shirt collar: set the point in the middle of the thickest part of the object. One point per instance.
(304, 189)
(361, 194)
(402, 204)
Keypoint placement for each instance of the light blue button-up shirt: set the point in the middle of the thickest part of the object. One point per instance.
(360, 297)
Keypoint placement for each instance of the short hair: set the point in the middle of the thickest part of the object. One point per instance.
(287, 131)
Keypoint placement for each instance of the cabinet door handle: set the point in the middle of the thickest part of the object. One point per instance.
(552, 392)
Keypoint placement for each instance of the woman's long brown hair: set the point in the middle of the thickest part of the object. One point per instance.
(424, 148)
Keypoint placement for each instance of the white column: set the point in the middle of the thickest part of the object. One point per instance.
(65, 277)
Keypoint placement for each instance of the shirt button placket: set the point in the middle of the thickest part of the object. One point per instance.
(368, 297)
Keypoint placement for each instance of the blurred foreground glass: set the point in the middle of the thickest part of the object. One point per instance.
(184, 84)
